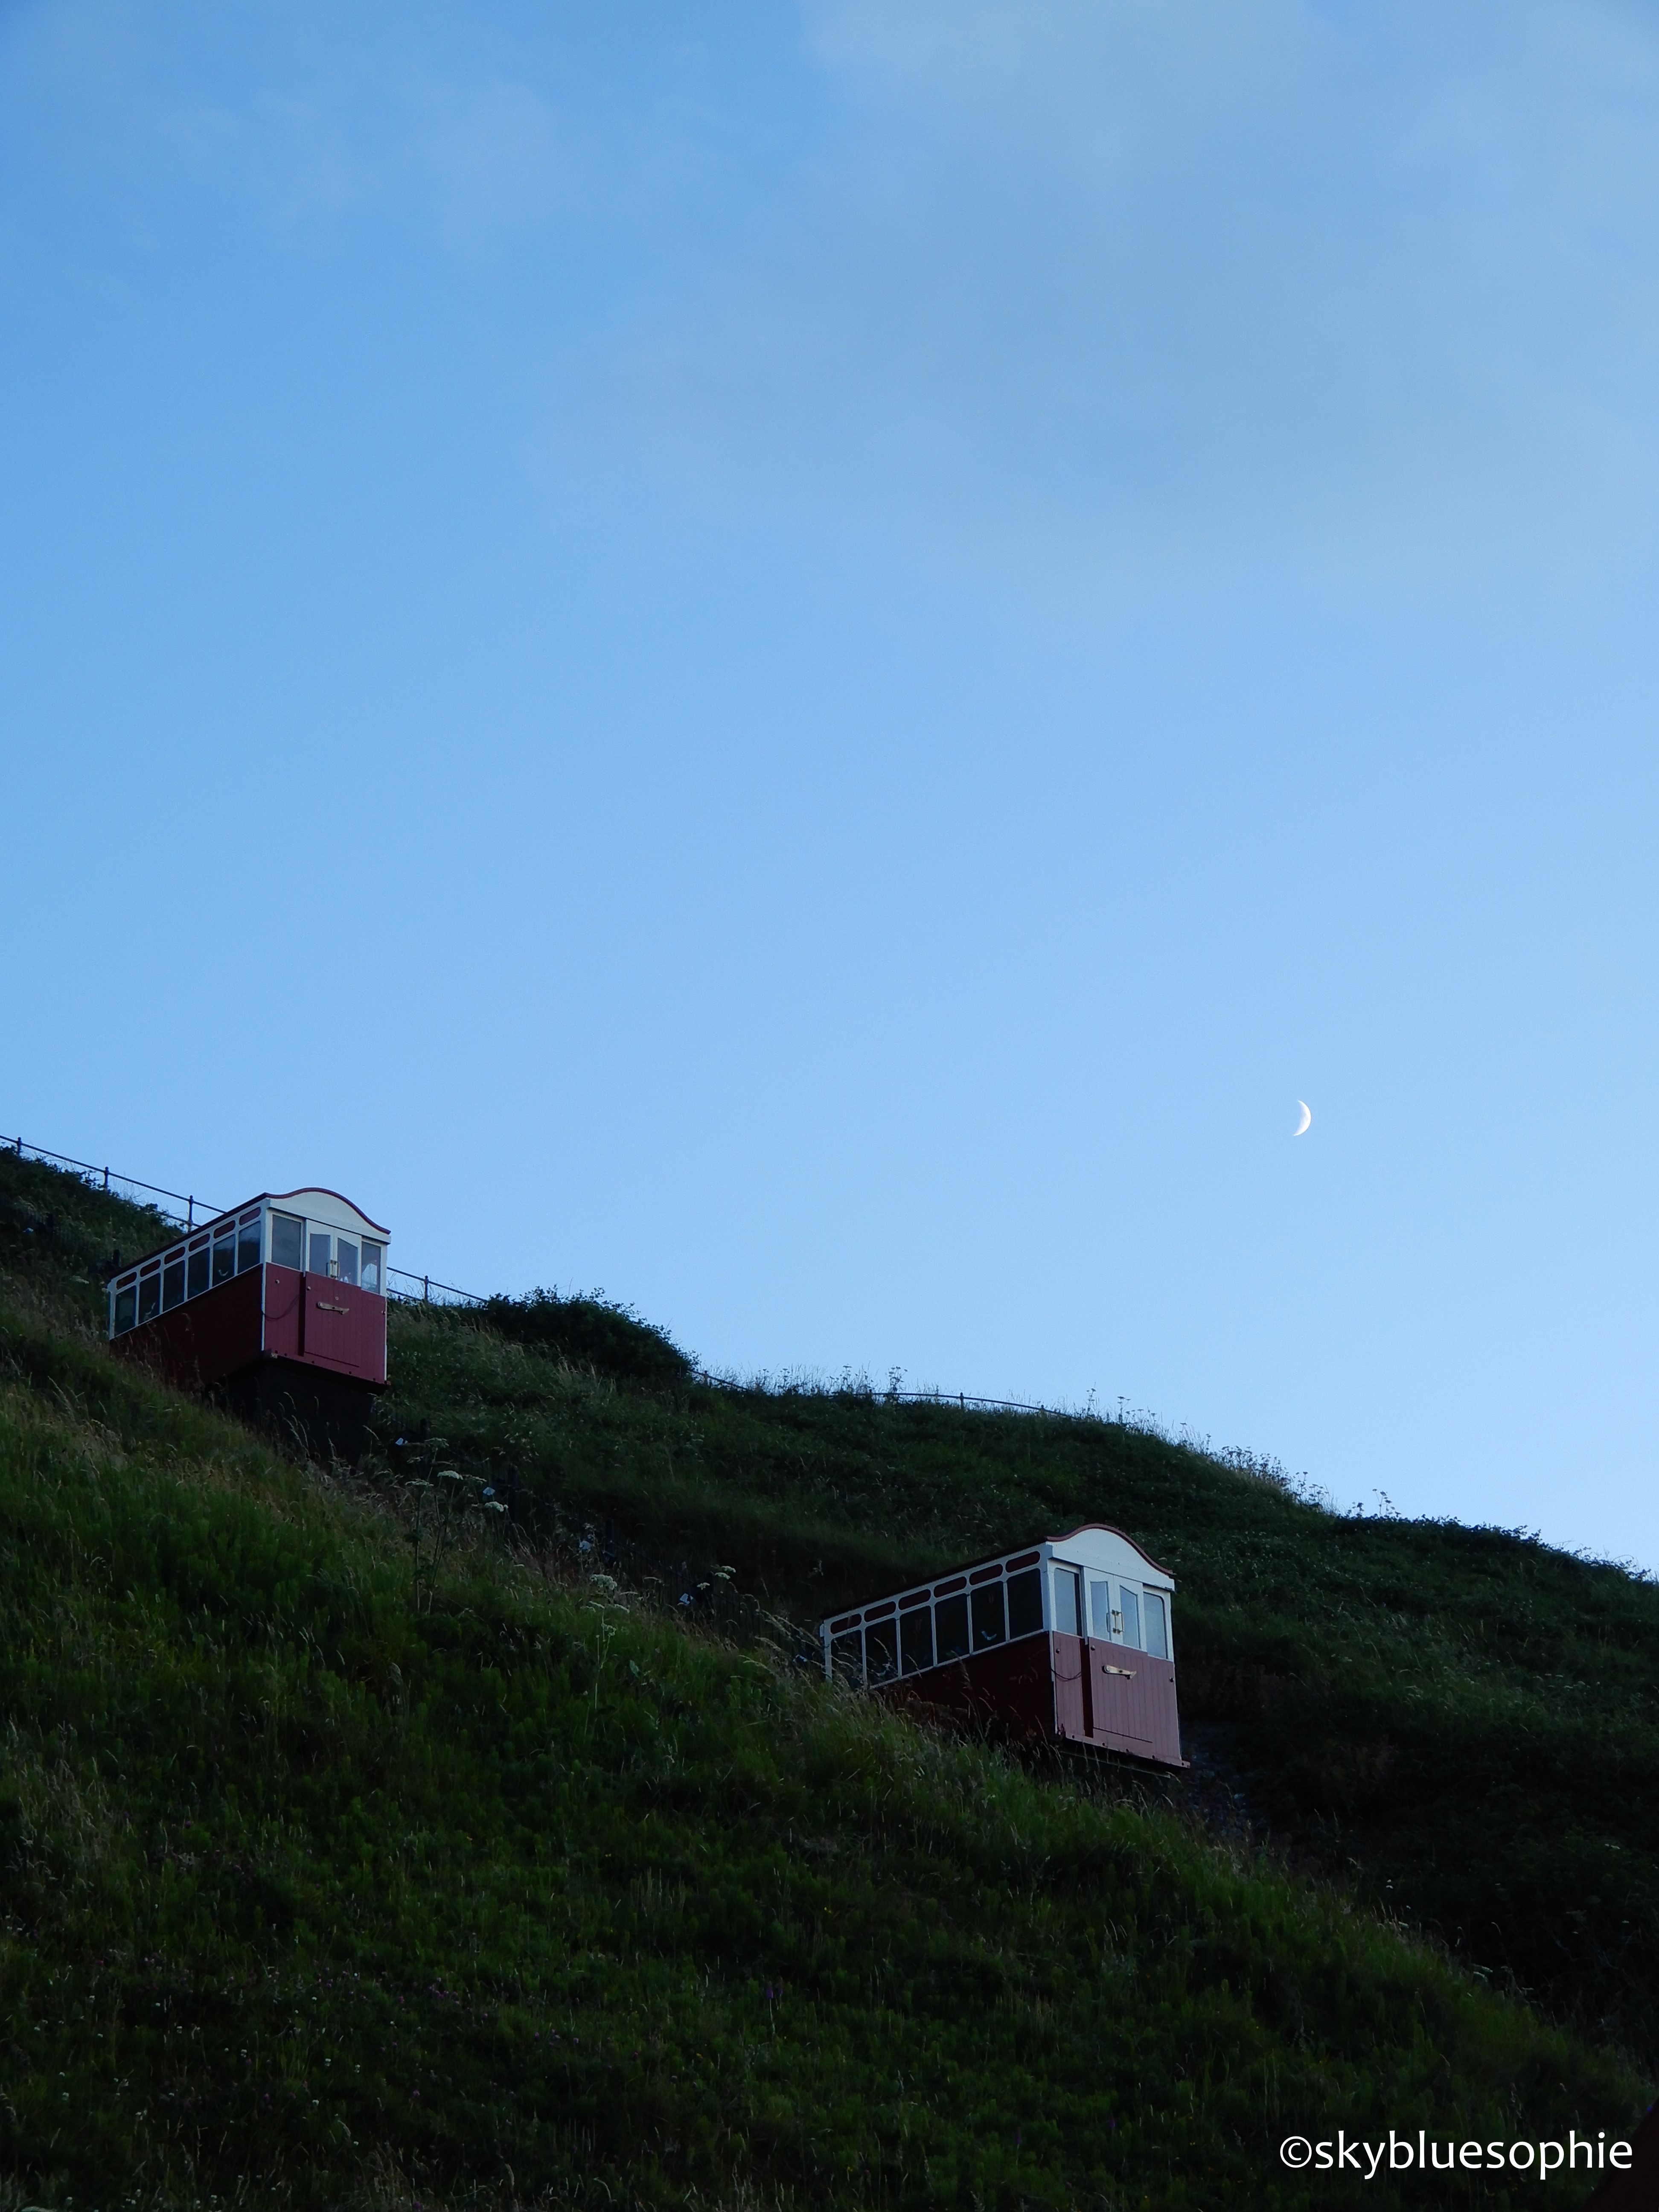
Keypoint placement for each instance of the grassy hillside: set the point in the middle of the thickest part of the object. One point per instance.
(359, 1847)
(1464, 1721)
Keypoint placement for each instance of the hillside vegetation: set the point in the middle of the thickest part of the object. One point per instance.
(360, 1842)
(1464, 1719)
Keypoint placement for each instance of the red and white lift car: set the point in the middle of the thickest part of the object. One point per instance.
(279, 1307)
(1070, 1640)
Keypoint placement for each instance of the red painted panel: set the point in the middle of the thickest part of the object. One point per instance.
(1134, 1701)
(1085, 1690)
(333, 1326)
(1114, 1672)
(340, 1327)
(284, 1286)
(204, 1339)
(1071, 1685)
(1011, 1684)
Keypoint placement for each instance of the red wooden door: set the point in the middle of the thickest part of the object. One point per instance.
(1123, 1707)
(342, 1328)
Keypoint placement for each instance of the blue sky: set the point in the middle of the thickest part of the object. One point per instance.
(806, 663)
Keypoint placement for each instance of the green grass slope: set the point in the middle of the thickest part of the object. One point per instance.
(355, 1848)
(1463, 1720)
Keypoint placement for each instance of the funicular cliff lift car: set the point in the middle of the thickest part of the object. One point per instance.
(276, 1310)
(1069, 1640)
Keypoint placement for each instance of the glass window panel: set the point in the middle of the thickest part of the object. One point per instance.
(1068, 1606)
(1158, 1636)
(318, 1262)
(224, 1256)
(372, 1261)
(1025, 1604)
(126, 1309)
(345, 1259)
(847, 1658)
(881, 1650)
(989, 1624)
(951, 1627)
(916, 1639)
(172, 1282)
(287, 1241)
(247, 1245)
(1109, 1607)
(150, 1294)
(1132, 1617)
(199, 1271)
(1100, 1608)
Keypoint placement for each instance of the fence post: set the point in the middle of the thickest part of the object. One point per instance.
(426, 1288)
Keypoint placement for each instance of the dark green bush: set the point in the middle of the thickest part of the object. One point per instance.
(594, 1333)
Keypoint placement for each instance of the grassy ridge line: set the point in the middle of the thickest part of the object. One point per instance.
(311, 1888)
(1464, 1720)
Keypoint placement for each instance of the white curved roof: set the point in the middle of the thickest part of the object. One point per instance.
(1096, 1544)
(325, 1206)
(326, 1209)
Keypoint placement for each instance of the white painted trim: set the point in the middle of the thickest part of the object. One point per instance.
(1097, 1548)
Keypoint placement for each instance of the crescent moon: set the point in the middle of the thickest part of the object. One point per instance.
(1306, 1122)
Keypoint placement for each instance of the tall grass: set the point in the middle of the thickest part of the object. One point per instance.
(1462, 1722)
(342, 1869)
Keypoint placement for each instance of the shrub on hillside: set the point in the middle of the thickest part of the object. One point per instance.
(593, 1332)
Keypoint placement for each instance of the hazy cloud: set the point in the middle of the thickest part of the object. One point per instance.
(1121, 286)
(1091, 292)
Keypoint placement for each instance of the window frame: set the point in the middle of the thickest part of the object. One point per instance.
(1066, 1571)
(936, 1624)
(1161, 1600)
(953, 1599)
(881, 1644)
(1097, 1598)
(993, 1589)
(1029, 1580)
(297, 1222)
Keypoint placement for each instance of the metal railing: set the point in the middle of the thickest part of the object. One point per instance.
(415, 1289)
(108, 1179)
(963, 1400)
(426, 1290)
